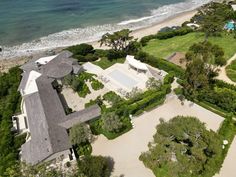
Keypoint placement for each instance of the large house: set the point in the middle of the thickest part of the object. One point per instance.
(43, 116)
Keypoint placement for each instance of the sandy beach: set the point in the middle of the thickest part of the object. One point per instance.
(176, 20)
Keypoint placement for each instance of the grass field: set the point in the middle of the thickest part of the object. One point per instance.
(231, 71)
(164, 48)
(104, 63)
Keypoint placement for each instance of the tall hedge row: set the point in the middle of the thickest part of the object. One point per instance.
(166, 35)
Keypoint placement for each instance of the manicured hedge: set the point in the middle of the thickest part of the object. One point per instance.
(223, 84)
(169, 78)
(141, 101)
(112, 54)
(96, 85)
(141, 105)
(161, 64)
(81, 49)
(165, 35)
(86, 58)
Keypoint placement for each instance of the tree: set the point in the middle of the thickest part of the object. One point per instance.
(209, 53)
(80, 133)
(111, 122)
(183, 147)
(200, 69)
(196, 74)
(118, 41)
(153, 83)
(81, 49)
(95, 166)
(212, 17)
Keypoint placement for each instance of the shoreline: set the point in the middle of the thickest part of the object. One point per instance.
(176, 20)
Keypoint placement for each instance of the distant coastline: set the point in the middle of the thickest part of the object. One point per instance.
(141, 26)
(176, 20)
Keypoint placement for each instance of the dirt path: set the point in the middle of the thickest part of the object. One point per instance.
(222, 74)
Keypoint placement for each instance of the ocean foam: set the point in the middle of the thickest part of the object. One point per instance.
(89, 34)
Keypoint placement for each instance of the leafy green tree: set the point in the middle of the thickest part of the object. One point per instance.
(153, 83)
(95, 166)
(111, 122)
(197, 75)
(9, 105)
(183, 147)
(118, 41)
(209, 53)
(200, 70)
(80, 133)
(212, 17)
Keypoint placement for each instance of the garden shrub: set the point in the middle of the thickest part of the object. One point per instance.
(113, 54)
(94, 166)
(101, 53)
(97, 101)
(223, 84)
(96, 85)
(84, 91)
(81, 49)
(84, 149)
(87, 58)
(169, 78)
(112, 98)
(178, 91)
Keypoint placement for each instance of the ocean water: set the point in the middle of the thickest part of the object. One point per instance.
(30, 25)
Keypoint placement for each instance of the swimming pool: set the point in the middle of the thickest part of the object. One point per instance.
(230, 26)
(123, 79)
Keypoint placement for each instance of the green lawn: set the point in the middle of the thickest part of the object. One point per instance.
(164, 48)
(231, 71)
(104, 63)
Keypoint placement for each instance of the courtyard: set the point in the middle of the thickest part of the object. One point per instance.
(126, 149)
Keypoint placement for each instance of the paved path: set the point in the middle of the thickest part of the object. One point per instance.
(222, 74)
(228, 168)
(126, 149)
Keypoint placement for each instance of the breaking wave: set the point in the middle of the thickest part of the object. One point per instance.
(93, 33)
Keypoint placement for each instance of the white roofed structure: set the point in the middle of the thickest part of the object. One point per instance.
(31, 86)
(135, 63)
(45, 60)
(193, 25)
(234, 7)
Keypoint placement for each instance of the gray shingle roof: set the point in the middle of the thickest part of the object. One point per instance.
(59, 67)
(23, 82)
(47, 120)
(44, 112)
(81, 116)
